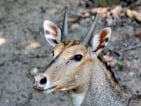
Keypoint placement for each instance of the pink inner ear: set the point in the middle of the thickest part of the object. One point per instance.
(102, 39)
(53, 30)
(103, 36)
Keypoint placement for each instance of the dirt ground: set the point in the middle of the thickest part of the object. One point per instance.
(21, 39)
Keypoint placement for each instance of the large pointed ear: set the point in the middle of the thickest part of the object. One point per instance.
(101, 39)
(52, 33)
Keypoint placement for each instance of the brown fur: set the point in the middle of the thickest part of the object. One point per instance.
(73, 76)
(110, 78)
(67, 50)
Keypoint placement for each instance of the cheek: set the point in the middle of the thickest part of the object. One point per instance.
(56, 73)
(71, 74)
(76, 72)
(65, 73)
(69, 79)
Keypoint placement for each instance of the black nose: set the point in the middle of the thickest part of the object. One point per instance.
(43, 80)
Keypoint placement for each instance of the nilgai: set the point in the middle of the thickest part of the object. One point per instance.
(76, 68)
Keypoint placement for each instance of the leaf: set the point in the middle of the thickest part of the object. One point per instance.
(134, 14)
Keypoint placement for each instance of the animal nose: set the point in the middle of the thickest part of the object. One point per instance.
(43, 81)
(40, 81)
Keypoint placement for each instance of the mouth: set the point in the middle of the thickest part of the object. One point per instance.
(46, 91)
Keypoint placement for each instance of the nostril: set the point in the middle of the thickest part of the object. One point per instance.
(43, 80)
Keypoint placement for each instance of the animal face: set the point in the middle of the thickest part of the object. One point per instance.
(72, 62)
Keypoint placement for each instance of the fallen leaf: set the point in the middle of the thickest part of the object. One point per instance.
(130, 13)
(133, 14)
(137, 33)
(84, 14)
(102, 11)
(116, 11)
(72, 20)
(33, 44)
(137, 16)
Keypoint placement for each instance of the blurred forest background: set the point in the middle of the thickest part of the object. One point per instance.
(23, 46)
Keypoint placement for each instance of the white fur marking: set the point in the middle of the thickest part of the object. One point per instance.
(77, 99)
(95, 43)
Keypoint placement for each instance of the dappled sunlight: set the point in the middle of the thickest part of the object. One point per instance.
(2, 41)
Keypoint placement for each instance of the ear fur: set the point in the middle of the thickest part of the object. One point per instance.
(52, 33)
(101, 39)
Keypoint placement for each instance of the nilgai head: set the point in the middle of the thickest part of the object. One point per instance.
(72, 59)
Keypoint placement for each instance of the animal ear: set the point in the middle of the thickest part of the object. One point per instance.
(52, 33)
(101, 39)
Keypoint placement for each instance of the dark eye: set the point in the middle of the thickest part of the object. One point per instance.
(77, 57)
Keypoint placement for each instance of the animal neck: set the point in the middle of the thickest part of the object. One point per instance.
(103, 89)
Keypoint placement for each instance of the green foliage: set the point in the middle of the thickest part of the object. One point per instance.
(105, 2)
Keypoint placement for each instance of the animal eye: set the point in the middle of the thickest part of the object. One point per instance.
(77, 57)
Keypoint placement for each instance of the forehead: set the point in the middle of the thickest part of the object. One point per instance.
(70, 46)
